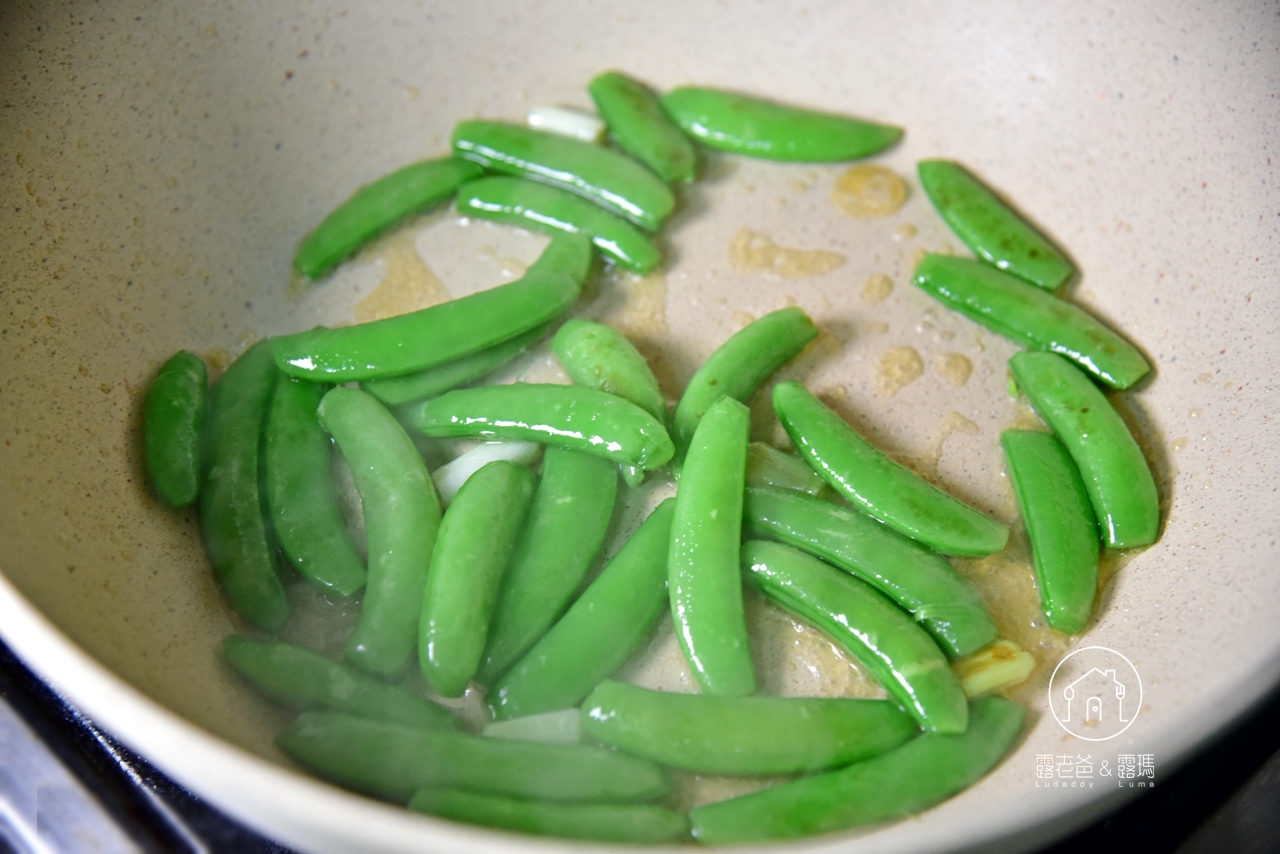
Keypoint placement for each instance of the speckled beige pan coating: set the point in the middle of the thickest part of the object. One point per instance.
(159, 162)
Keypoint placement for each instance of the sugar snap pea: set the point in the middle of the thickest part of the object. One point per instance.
(877, 484)
(304, 679)
(602, 175)
(475, 543)
(377, 206)
(742, 735)
(740, 364)
(759, 128)
(890, 786)
(600, 630)
(917, 579)
(401, 514)
(551, 210)
(991, 228)
(769, 467)
(1060, 524)
(300, 494)
(564, 531)
(431, 336)
(173, 424)
(629, 823)
(704, 577)
(596, 356)
(393, 761)
(232, 514)
(573, 417)
(1116, 475)
(639, 125)
(901, 655)
(1031, 316)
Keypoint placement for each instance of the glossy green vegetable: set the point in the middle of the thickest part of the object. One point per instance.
(304, 679)
(870, 480)
(401, 517)
(637, 824)
(551, 210)
(173, 425)
(377, 206)
(1115, 474)
(743, 735)
(994, 231)
(740, 364)
(596, 356)
(1060, 523)
(300, 494)
(902, 656)
(432, 336)
(606, 624)
(918, 580)
(559, 727)
(769, 467)
(638, 124)
(393, 761)
(477, 538)
(759, 128)
(565, 529)
(1031, 316)
(890, 786)
(606, 177)
(573, 417)
(703, 572)
(232, 512)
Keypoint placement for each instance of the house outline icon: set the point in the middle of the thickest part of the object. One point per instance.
(1108, 686)
(1101, 703)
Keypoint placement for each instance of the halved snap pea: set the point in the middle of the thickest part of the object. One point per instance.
(758, 128)
(1115, 473)
(1031, 316)
(173, 426)
(604, 176)
(743, 735)
(639, 125)
(902, 656)
(991, 228)
(890, 786)
(870, 480)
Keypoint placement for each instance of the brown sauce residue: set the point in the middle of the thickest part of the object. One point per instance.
(955, 368)
(407, 282)
(877, 288)
(753, 252)
(867, 191)
(898, 368)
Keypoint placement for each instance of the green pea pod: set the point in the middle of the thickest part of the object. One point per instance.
(410, 388)
(891, 786)
(873, 482)
(392, 761)
(740, 364)
(918, 580)
(638, 124)
(573, 417)
(567, 253)
(628, 823)
(1116, 475)
(769, 467)
(606, 177)
(994, 231)
(759, 128)
(596, 356)
(232, 515)
(1031, 316)
(304, 679)
(742, 735)
(705, 581)
(901, 655)
(376, 207)
(401, 516)
(476, 540)
(1060, 522)
(565, 529)
(606, 624)
(551, 210)
(431, 336)
(173, 426)
(300, 493)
